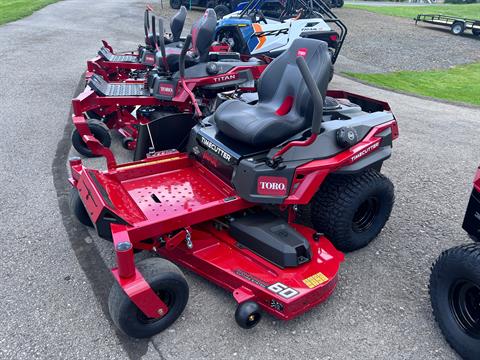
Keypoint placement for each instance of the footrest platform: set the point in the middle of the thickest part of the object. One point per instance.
(103, 88)
(109, 56)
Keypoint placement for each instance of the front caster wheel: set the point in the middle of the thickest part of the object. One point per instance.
(127, 143)
(351, 210)
(99, 130)
(455, 297)
(78, 209)
(248, 314)
(168, 282)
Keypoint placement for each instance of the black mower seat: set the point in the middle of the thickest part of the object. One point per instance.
(109, 56)
(176, 27)
(103, 88)
(203, 31)
(172, 57)
(177, 22)
(284, 105)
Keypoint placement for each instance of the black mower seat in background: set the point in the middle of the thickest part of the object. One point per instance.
(203, 32)
(176, 27)
(103, 88)
(109, 56)
(284, 105)
(177, 22)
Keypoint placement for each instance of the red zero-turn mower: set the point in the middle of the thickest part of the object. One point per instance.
(121, 66)
(455, 286)
(217, 208)
(166, 104)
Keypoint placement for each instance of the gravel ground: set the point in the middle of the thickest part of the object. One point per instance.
(55, 282)
(377, 43)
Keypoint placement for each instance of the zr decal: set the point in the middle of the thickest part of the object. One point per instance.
(283, 290)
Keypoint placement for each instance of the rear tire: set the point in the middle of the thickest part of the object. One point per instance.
(476, 32)
(304, 215)
(351, 210)
(77, 208)
(99, 130)
(457, 28)
(455, 297)
(167, 280)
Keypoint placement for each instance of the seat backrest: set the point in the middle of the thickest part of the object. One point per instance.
(176, 23)
(203, 32)
(281, 83)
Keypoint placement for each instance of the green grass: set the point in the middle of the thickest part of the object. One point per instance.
(460, 83)
(11, 10)
(464, 11)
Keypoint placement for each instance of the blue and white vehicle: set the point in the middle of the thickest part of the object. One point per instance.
(251, 31)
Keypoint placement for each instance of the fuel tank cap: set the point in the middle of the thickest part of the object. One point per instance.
(346, 137)
(212, 68)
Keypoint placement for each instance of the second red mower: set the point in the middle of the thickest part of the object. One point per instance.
(171, 100)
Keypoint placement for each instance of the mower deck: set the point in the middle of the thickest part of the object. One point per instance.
(155, 197)
(284, 293)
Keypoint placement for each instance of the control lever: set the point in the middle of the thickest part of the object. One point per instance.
(161, 43)
(183, 54)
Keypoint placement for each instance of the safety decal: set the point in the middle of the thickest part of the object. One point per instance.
(315, 280)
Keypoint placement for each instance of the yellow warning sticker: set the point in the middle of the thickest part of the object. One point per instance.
(315, 280)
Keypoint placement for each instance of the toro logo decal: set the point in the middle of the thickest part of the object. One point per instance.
(364, 152)
(302, 52)
(225, 78)
(272, 185)
(149, 59)
(165, 89)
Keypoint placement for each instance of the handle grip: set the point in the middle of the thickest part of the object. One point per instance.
(146, 23)
(161, 43)
(185, 48)
(154, 32)
(314, 92)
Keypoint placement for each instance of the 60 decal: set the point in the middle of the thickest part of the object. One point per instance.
(283, 290)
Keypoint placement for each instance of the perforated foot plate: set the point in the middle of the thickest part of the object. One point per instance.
(103, 88)
(109, 56)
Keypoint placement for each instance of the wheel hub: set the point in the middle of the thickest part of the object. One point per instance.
(365, 214)
(464, 301)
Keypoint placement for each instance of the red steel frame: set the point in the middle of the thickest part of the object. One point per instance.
(124, 189)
